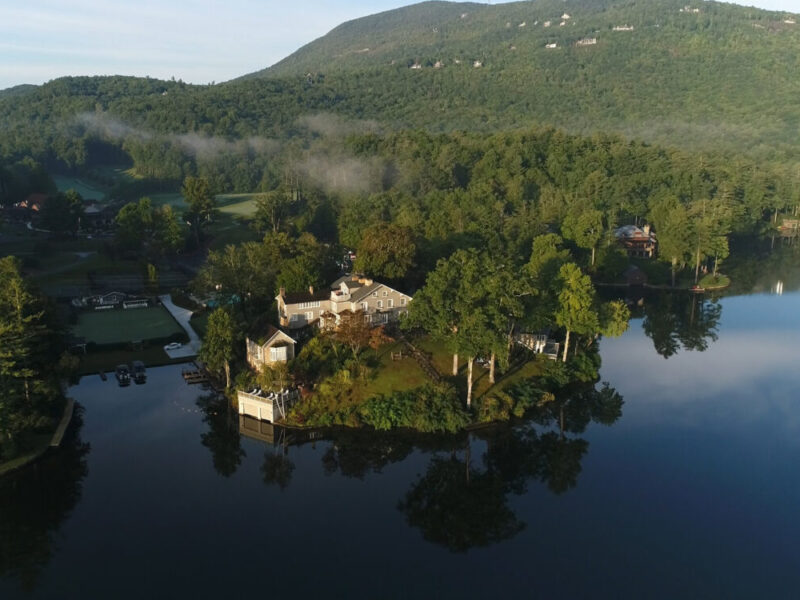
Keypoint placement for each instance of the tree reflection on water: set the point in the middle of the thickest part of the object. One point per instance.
(460, 505)
(222, 437)
(681, 321)
(34, 503)
(461, 501)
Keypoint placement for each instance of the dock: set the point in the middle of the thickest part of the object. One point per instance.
(193, 376)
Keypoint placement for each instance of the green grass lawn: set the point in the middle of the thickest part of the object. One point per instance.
(238, 205)
(443, 361)
(89, 190)
(175, 200)
(107, 361)
(392, 375)
(711, 282)
(119, 326)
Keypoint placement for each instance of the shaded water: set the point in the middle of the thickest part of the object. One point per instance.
(692, 491)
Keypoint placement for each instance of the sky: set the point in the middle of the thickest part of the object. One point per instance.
(198, 41)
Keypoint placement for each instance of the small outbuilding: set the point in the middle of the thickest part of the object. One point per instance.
(273, 347)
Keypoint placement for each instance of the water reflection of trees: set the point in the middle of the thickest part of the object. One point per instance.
(222, 437)
(34, 502)
(462, 502)
(681, 321)
(462, 499)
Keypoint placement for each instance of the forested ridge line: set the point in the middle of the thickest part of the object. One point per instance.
(717, 80)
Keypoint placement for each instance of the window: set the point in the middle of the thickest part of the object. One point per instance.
(364, 306)
(391, 303)
(402, 301)
(309, 315)
(374, 294)
(385, 293)
(278, 354)
(308, 305)
(380, 303)
(293, 318)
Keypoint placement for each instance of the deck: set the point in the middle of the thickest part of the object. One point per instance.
(266, 406)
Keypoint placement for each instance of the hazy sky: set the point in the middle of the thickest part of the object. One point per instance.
(194, 40)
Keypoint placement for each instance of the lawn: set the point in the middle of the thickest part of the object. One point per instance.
(238, 205)
(88, 190)
(107, 361)
(393, 375)
(120, 326)
(174, 200)
(442, 359)
(710, 282)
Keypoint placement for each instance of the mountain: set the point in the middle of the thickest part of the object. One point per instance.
(708, 76)
(17, 90)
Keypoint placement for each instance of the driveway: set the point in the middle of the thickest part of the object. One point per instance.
(182, 316)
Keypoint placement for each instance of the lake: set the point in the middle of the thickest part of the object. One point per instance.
(691, 492)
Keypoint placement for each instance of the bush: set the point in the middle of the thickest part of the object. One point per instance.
(430, 409)
(513, 402)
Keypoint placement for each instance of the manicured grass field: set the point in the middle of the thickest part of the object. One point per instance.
(87, 190)
(153, 356)
(119, 326)
(238, 205)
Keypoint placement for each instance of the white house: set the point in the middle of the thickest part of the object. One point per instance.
(273, 347)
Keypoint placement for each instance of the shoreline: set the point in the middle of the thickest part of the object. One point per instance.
(54, 442)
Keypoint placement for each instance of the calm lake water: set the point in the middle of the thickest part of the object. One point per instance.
(692, 492)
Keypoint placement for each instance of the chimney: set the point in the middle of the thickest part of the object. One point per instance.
(311, 290)
(282, 292)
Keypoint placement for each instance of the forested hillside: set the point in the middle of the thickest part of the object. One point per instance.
(716, 77)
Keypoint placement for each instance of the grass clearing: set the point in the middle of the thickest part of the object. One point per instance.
(393, 375)
(710, 282)
(174, 200)
(88, 190)
(119, 326)
(238, 205)
(152, 356)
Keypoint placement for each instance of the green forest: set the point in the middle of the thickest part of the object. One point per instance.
(716, 81)
(492, 150)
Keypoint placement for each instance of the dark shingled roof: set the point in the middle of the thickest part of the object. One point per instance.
(298, 297)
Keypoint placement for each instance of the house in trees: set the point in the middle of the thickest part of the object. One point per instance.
(639, 242)
(380, 303)
(34, 202)
(272, 347)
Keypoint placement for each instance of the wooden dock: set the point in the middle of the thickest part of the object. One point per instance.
(194, 376)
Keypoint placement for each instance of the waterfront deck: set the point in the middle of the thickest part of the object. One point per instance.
(266, 406)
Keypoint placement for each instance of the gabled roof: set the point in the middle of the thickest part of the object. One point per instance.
(270, 335)
(365, 291)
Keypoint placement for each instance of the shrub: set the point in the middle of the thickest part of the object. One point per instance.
(430, 409)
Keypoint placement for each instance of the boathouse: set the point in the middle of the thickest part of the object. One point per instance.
(266, 406)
